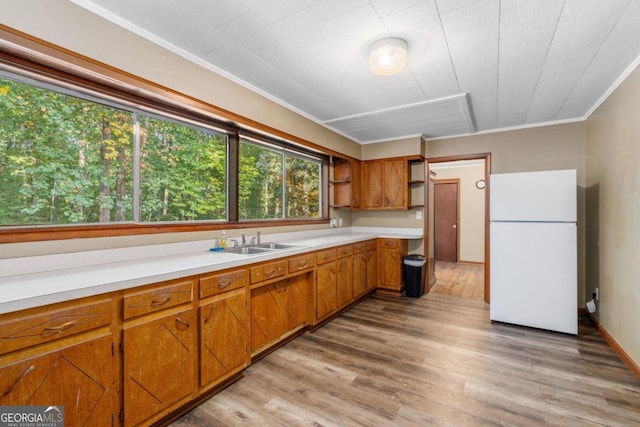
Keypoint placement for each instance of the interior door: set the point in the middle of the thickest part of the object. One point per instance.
(446, 221)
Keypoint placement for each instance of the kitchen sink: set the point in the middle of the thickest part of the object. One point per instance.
(247, 250)
(260, 248)
(273, 245)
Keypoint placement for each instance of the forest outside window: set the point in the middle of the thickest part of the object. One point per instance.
(182, 171)
(68, 160)
(68, 157)
(63, 160)
(277, 184)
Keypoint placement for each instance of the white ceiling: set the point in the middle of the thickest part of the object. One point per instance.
(474, 65)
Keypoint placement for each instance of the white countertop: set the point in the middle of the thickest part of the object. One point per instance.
(40, 280)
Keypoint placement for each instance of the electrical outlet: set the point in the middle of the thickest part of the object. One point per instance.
(597, 292)
(418, 214)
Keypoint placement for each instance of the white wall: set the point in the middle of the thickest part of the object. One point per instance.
(613, 207)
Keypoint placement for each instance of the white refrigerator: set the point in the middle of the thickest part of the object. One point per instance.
(534, 250)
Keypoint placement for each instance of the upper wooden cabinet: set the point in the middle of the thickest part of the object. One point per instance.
(391, 184)
(385, 184)
(395, 189)
(372, 184)
(346, 183)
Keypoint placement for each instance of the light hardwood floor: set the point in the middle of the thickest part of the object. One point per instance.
(459, 280)
(435, 360)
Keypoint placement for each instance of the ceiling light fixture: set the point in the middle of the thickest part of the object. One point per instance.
(388, 56)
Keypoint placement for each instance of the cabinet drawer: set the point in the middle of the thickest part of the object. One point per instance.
(212, 285)
(156, 299)
(359, 247)
(371, 245)
(51, 325)
(268, 271)
(387, 243)
(345, 251)
(326, 256)
(301, 263)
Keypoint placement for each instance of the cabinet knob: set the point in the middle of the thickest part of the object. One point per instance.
(160, 300)
(50, 330)
(224, 282)
(182, 324)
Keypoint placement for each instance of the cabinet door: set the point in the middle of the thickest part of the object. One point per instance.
(356, 186)
(159, 361)
(300, 299)
(395, 184)
(224, 336)
(372, 184)
(389, 269)
(372, 269)
(344, 281)
(81, 377)
(326, 301)
(269, 317)
(359, 274)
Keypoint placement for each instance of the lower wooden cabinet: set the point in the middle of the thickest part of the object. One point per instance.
(224, 336)
(372, 265)
(326, 288)
(390, 254)
(135, 356)
(82, 377)
(279, 308)
(300, 299)
(269, 317)
(159, 358)
(359, 274)
(344, 276)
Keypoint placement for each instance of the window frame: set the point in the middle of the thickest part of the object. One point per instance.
(285, 152)
(34, 59)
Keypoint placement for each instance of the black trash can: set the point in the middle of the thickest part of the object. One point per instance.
(414, 275)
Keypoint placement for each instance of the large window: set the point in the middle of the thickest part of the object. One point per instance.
(183, 172)
(69, 157)
(63, 160)
(274, 184)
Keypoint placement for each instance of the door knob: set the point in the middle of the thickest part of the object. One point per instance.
(455, 226)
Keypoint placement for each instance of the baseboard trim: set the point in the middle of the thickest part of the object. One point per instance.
(633, 366)
(471, 262)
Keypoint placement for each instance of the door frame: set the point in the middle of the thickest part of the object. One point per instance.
(457, 182)
(487, 172)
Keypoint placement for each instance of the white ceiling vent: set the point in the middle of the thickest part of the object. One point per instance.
(435, 118)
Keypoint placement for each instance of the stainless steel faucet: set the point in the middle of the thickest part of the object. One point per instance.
(255, 240)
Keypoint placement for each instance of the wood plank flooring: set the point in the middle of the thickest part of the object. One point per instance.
(459, 280)
(435, 360)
